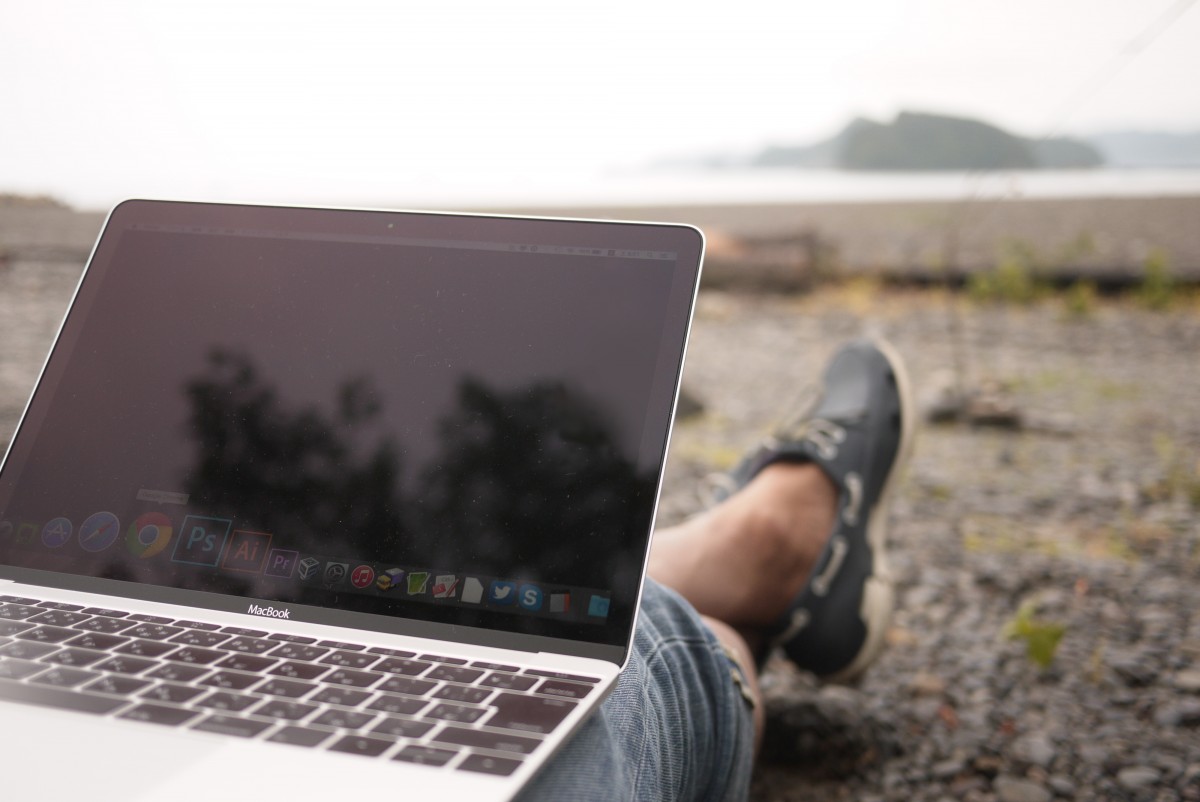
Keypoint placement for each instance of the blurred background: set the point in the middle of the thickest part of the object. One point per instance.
(1009, 191)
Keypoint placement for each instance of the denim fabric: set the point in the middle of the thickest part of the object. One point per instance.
(676, 727)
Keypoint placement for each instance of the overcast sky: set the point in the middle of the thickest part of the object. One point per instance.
(374, 100)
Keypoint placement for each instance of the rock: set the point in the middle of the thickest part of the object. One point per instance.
(1036, 749)
(1013, 789)
(925, 684)
(1135, 778)
(1062, 786)
(947, 769)
(1178, 714)
(1187, 680)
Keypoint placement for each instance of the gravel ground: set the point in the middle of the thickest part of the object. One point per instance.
(1088, 513)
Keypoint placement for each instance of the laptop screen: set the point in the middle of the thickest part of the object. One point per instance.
(420, 417)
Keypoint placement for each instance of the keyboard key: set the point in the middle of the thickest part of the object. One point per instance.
(152, 619)
(105, 611)
(18, 600)
(16, 612)
(27, 650)
(146, 648)
(13, 627)
(196, 656)
(65, 677)
(159, 714)
(511, 682)
(247, 662)
(153, 631)
(451, 712)
(390, 652)
(564, 690)
(337, 644)
(424, 755)
(58, 618)
(560, 675)
(197, 625)
(490, 765)
(401, 728)
(481, 739)
(416, 687)
(53, 605)
(224, 700)
(399, 665)
(495, 666)
(18, 669)
(283, 636)
(529, 713)
(281, 708)
(361, 745)
(106, 625)
(178, 672)
(400, 705)
(117, 685)
(298, 736)
(455, 674)
(127, 665)
(297, 651)
(47, 696)
(438, 658)
(199, 637)
(343, 719)
(75, 657)
(463, 693)
(285, 688)
(355, 679)
(46, 634)
(231, 725)
(249, 645)
(349, 659)
(294, 670)
(170, 692)
(95, 640)
(339, 696)
(249, 633)
(231, 680)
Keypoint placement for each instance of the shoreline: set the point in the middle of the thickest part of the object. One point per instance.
(1081, 237)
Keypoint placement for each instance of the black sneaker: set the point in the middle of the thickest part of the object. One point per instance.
(859, 433)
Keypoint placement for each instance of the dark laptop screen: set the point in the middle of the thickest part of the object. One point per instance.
(437, 418)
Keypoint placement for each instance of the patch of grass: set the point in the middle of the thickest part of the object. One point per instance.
(1041, 636)
(1081, 299)
(1180, 477)
(1014, 280)
(1159, 289)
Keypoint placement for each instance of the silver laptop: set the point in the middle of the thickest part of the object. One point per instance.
(310, 503)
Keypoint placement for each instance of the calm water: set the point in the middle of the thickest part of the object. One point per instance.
(765, 186)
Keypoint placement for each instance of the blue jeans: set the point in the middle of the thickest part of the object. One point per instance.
(676, 727)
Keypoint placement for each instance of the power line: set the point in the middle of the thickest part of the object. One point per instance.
(1113, 67)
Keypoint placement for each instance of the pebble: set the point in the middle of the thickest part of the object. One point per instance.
(1035, 748)
(1134, 778)
(1013, 789)
(1188, 680)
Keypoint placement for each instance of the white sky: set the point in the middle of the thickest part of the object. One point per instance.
(355, 100)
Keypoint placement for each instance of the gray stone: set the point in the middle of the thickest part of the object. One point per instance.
(1135, 778)
(1188, 680)
(947, 769)
(1035, 748)
(1178, 714)
(1014, 789)
(1062, 785)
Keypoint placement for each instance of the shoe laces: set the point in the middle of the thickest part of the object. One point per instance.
(824, 435)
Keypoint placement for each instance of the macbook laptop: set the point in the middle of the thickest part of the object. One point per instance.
(314, 502)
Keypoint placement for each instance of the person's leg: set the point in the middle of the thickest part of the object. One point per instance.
(794, 559)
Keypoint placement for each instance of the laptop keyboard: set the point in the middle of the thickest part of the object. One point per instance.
(431, 709)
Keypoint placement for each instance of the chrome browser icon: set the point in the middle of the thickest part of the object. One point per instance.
(149, 534)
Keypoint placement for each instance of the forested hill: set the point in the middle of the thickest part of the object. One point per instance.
(918, 141)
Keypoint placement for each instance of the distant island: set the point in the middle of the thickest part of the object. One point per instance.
(917, 141)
